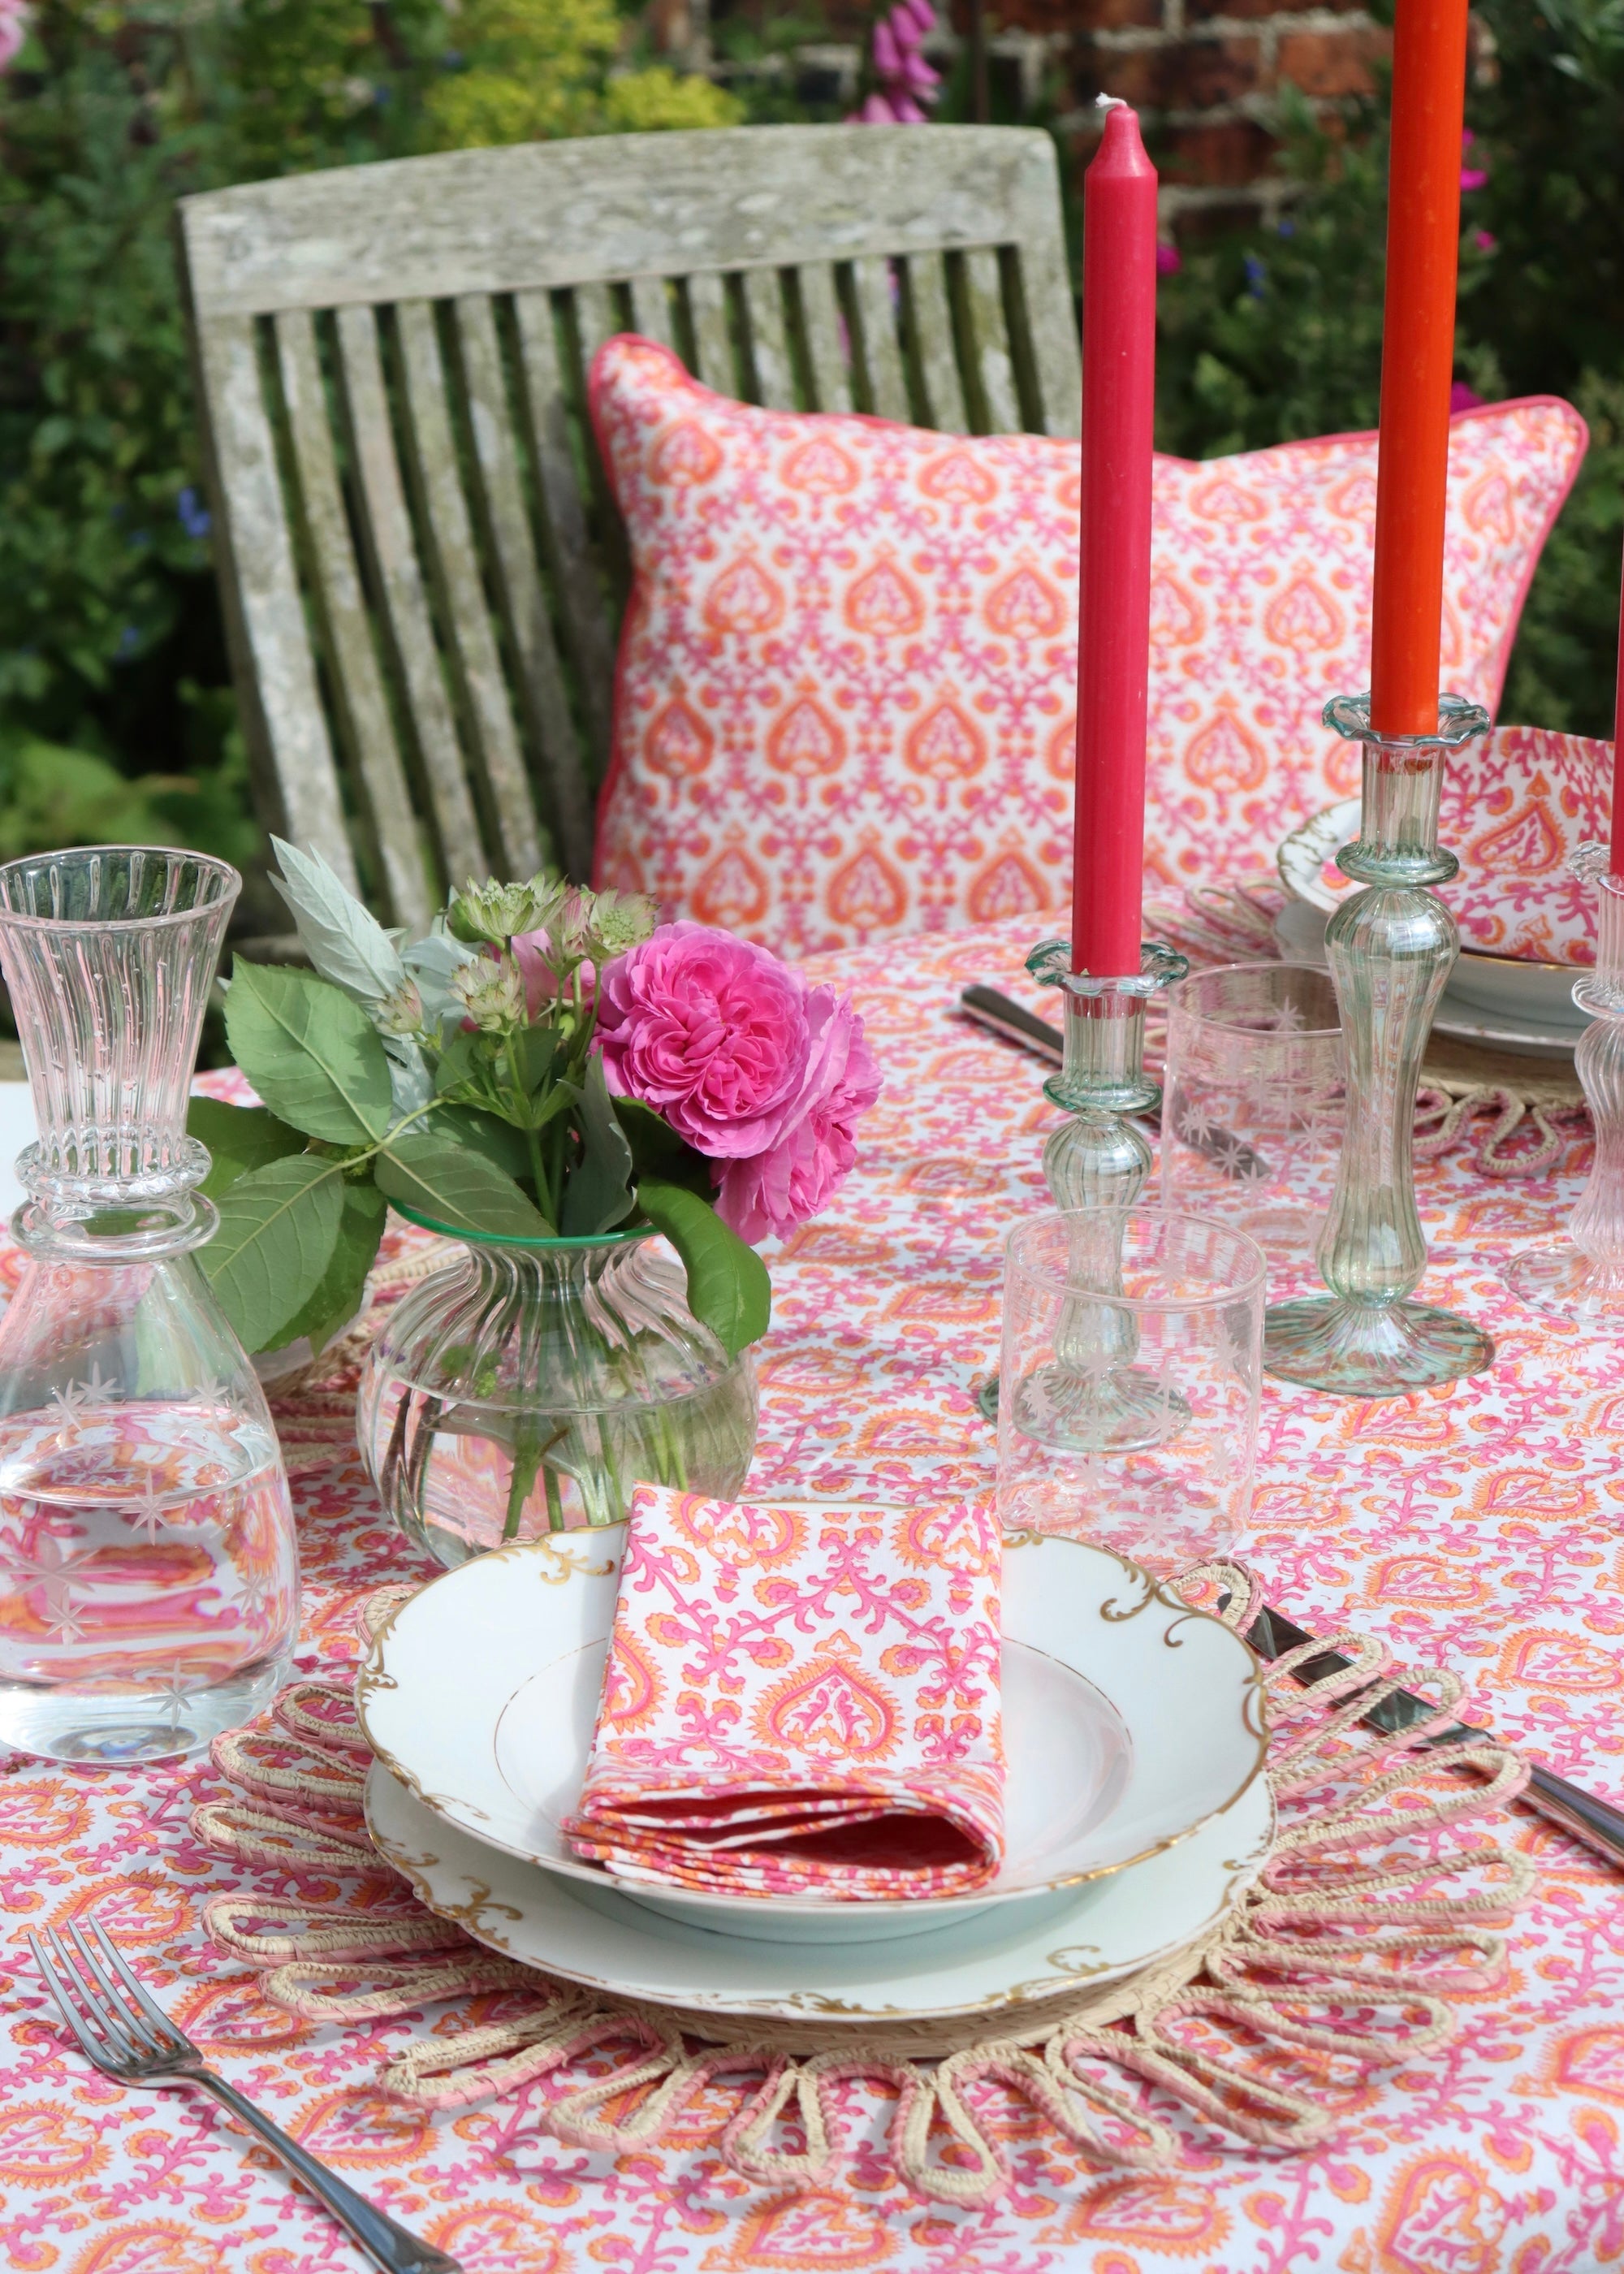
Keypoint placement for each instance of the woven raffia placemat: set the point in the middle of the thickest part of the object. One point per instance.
(1384, 1898)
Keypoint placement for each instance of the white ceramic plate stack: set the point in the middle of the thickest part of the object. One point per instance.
(1508, 1003)
(1136, 1807)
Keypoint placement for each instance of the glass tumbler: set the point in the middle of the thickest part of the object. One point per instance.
(1107, 1312)
(1254, 1103)
(148, 1572)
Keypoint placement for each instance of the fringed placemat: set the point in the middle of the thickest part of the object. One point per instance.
(1384, 1898)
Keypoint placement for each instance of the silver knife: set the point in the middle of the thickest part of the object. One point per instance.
(1596, 1823)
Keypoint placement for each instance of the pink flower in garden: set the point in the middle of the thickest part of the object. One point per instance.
(13, 29)
(1472, 177)
(1485, 242)
(1169, 261)
(792, 1179)
(1463, 397)
(710, 1032)
(906, 79)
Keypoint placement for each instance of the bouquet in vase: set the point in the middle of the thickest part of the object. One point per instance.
(548, 1063)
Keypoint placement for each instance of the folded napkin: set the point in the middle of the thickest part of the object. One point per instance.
(801, 1701)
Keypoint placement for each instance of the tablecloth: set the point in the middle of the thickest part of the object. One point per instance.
(1480, 1525)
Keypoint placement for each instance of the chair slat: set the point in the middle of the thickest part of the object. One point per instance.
(470, 643)
(882, 356)
(821, 322)
(597, 320)
(989, 340)
(938, 358)
(392, 558)
(359, 701)
(1051, 331)
(651, 309)
(588, 637)
(713, 352)
(288, 746)
(524, 607)
(763, 301)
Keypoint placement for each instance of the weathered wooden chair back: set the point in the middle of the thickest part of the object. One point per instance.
(422, 567)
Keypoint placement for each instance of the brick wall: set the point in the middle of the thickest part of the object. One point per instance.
(1206, 74)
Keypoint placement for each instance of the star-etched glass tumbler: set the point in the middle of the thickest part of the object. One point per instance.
(148, 1572)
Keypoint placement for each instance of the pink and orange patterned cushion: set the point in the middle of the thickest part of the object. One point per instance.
(847, 674)
(801, 1701)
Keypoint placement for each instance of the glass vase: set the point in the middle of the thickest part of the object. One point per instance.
(1581, 1277)
(529, 1386)
(148, 1570)
(1390, 949)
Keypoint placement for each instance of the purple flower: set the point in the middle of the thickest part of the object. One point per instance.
(1472, 177)
(1484, 242)
(1169, 261)
(709, 1031)
(1463, 397)
(791, 1180)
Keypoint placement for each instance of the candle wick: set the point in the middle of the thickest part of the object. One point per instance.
(1110, 102)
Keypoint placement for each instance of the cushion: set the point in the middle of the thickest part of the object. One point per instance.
(846, 684)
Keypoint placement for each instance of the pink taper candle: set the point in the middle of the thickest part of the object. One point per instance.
(1113, 642)
(1617, 862)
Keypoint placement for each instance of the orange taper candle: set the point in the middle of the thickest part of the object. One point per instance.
(1418, 362)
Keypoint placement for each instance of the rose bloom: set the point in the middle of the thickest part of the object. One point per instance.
(532, 951)
(791, 1179)
(712, 1033)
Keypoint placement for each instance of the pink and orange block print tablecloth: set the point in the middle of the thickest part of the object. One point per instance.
(1482, 1526)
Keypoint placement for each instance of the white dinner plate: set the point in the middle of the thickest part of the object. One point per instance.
(1299, 934)
(1130, 1719)
(597, 1936)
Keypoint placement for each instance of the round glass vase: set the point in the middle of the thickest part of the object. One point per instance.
(532, 1385)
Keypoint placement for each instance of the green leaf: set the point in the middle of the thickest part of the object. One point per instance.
(728, 1290)
(464, 1059)
(658, 1151)
(238, 1138)
(346, 944)
(311, 1052)
(277, 1229)
(337, 1296)
(597, 1192)
(533, 1050)
(487, 1134)
(457, 1188)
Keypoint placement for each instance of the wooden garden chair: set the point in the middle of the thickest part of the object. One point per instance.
(423, 570)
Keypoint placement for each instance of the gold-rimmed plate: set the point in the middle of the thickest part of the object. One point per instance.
(595, 1934)
(1130, 1720)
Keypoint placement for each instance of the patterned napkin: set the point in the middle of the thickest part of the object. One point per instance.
(801, 1701)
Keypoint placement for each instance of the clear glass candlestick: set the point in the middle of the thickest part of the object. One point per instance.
(1095, 1166)
(148, 1573)
(1581, 1279)
(1390, 948)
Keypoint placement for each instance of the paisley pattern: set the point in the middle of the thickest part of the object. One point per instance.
(824, 1701)
(845, 705)
(1483, 1526)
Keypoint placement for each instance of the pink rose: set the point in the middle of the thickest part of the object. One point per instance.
(709, 1031)
(791, 1179)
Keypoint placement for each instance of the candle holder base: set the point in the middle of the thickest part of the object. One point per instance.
(1371, 1350)
(1571, 1286)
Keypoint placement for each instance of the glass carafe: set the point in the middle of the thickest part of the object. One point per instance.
(148, 1572)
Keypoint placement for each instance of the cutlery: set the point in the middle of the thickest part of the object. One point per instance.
(1596, 1823)
(119, 2029)
(1013, 1022)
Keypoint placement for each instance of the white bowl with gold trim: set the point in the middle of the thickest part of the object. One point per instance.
(1129, 1721)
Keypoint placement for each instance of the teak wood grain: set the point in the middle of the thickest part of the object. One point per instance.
(422, 566)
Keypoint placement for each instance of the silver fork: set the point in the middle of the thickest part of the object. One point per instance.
(117, 2027)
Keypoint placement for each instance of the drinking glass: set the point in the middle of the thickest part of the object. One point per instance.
(1254, 1103)
(1111, 1312)
(148, 1573)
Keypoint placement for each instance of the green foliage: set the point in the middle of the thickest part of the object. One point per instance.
(451, 1185)
(1271, 334)
(277, 1228)
(110, 640)
(310, 1053)
(728, 1287)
